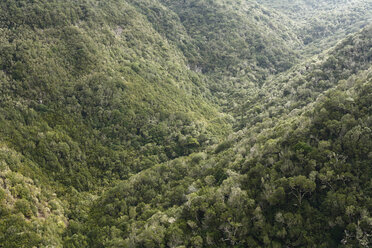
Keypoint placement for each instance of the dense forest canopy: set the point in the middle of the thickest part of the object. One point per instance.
(185, 123)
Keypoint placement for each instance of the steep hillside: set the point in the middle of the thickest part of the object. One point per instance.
(235, 37)
(30, 212)
(92, 88)
(303, 182)
(282, 94)
(231, 43)
(159, 123)
(321, 23)
(236, 43)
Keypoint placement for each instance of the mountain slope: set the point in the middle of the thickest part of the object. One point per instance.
(184, 124)
(235, 34)
(106, 91)
(320, 24)
(303, 183)
(231, 43)
(30, 212)
(304, 83)
(303, 180)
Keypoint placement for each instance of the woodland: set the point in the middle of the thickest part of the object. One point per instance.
(185, 123)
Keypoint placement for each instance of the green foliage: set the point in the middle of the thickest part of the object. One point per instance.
(31, 215)
(116, 123)
(321, 23)
(304, 83)
(295, 183)
(108, 93)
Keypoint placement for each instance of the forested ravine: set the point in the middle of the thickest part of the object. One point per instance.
(197, 123)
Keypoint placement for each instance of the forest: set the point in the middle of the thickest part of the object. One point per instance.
(185, 123)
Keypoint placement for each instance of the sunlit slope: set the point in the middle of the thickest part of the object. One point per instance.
(116, 124)
(92, 88)
(302, 180)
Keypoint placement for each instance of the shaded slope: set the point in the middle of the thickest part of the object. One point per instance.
(235, 45)
(304, 83)
(320, 24)
(231, 35)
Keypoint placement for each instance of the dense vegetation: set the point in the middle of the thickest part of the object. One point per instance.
(321, 23)
(159, 123)
(304, 182)
(103, 94)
